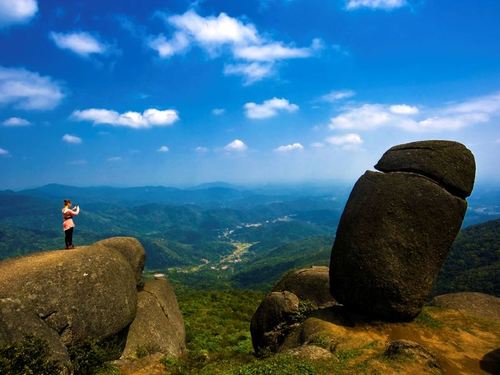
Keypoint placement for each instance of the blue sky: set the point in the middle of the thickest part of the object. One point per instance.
(132, 93)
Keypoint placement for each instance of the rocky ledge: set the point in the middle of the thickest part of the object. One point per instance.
(67, 297)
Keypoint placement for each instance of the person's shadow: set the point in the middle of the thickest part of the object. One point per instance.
(490, 362)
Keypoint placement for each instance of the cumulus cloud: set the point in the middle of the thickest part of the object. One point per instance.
(251, 72)
(253, 55)
(23, 89)
(169, 47)
(236, 145)
(403, 109)
(163, 149)
(114, 158)
(289, 148)
(17, 11)
(334, 96)
(73, 139)
(79, 42)
(3, 152)
(350, 139)
(273, 51)
(448, 117)
(15, 122)
(149, 118)
(375, 4)
(269, 108)
(218, 111)
(201, 149)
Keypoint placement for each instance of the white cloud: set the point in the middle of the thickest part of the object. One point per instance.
(252, 72)
(114, 158)
(334, 96)
(269, 108)
(79, 42)
(445, 118)
(149, 118)
(273, 51)
(350, 139)
(167, 48)
(289, 148)
(3, 152)
(15, 122)
(201, 149)
(218, 111)
(364, 117)
(17, 11)
(375, 4)
(28, 90)
(236, 145)
(210, 31)
(253, 55)
(163, 149)
(403, 109)
(73, 139)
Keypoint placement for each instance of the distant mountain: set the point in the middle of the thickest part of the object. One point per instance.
(285, 231)
(474, 261)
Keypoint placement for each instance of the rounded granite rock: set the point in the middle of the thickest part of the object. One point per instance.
(479, 304)
(308, 284)
(272, 319)
(448, 163)
(158, 325)
(85, 293)
(393, 236)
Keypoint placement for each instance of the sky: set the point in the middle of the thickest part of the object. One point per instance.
(134, 93)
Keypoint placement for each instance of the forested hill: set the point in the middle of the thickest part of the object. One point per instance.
(474, 261)
(236, 238)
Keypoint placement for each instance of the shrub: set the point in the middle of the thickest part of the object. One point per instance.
(29, 357)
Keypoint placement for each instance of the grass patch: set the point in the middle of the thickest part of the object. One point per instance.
(427, 320)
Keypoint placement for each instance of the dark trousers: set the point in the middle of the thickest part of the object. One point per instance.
(68, 237)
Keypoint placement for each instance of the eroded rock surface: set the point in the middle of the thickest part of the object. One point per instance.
(158, 325)
(308, 284)
(397, 228)
(479, 304)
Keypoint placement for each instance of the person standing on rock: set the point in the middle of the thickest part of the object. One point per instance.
(68, 224)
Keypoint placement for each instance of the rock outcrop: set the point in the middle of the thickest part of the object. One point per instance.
(308, 284)
(479, 304)
(158, 325)
(397, 228)
(68, 297)
(440, 341)
(273, 320)
(87, 293)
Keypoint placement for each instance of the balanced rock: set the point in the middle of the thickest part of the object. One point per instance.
(81, 294)
(158, 325)
(450, 164)
(395, 233)
(308, 284)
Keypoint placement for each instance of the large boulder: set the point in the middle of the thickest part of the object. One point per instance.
(274, 318)
(17, 321)
(393, 237)
(451, 164)
(81, 294)
(158, 325)
(308, 284)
